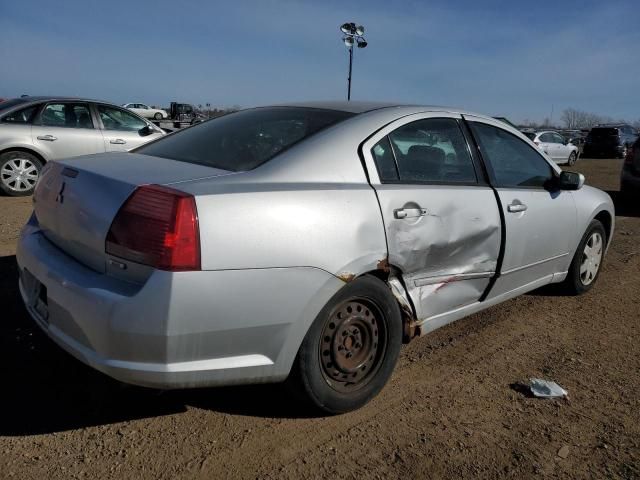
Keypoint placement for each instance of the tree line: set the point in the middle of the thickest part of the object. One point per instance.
(574, 119)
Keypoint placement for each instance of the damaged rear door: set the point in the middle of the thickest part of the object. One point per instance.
(441, 217)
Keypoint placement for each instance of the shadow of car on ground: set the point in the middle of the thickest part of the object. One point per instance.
(47, 390)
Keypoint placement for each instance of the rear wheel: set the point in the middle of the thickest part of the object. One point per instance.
(587, 260)
(351, 349)
(572, 159)
(158, 116)
(19, 172)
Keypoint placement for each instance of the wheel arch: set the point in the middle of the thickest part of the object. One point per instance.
(604, 217)
(33, 152)
(391, 275)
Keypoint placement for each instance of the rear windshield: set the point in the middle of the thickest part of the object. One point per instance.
(243, 140)
(6, 105)
(603, 132)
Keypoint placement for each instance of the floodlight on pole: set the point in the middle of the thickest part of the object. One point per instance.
(353, 35)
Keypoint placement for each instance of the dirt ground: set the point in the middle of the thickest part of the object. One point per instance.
(453, 408)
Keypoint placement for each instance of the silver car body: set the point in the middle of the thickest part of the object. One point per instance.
(49, 142)
(277, 243)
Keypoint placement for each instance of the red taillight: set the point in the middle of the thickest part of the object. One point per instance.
(157, 226)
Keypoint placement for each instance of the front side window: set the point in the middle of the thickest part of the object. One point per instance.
(514, 162)
(432, 150)
(557, 138)
(243, 140)
(69, 115)
(21, 116)
(117, 119)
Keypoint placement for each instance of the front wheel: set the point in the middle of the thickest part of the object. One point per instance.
(19, 173)
(587, 260)
(572, 159)
(351, 348)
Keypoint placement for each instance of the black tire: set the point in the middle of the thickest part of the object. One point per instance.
(572, 159)
(575, 283)
(158, 116)
(337, 371)
(10, 163)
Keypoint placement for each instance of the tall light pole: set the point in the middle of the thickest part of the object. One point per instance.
(352, 36)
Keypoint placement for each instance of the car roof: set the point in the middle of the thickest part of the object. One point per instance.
(358, 107)
(47, 98)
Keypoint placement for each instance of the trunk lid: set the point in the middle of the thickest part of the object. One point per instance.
(77, 199)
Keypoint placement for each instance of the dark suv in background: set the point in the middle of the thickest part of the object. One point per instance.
(609, 141)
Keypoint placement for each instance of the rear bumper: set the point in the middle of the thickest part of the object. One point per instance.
(178, 330)
(590, 150)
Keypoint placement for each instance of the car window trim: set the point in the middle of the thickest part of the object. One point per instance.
(44, 105)
(492, 178)
(480, 181)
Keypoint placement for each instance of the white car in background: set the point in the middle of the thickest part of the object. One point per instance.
(556, 146)
(146, 111)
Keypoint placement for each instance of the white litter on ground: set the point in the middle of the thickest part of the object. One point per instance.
(546, 388)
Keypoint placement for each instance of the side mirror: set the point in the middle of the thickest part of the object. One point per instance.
(146, 130)
(570, 181)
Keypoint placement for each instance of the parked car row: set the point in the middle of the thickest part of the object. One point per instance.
(36, 130)
(566, 146)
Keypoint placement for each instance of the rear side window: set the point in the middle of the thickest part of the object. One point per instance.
(21, 116)
(70, 115)
(432, 150)
(514, 162)
(243, 140)
(603, 132)
(530, 135)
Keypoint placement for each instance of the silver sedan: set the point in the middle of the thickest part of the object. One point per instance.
(35, 130)
(303, 243)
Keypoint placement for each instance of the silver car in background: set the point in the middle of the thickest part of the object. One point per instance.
(35, 130)
(557, 147)
(302, 242)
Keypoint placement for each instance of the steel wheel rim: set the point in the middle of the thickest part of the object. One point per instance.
(572, 159)
(19, 174)
(591, 258)
(352, 344)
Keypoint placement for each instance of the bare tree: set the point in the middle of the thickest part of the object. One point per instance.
(571, 118)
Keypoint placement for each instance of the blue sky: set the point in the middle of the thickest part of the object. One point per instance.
(519, 59)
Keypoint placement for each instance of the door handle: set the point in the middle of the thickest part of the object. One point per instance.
(516, 207)
(409, 212)
(117, 141)
(47, 138)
